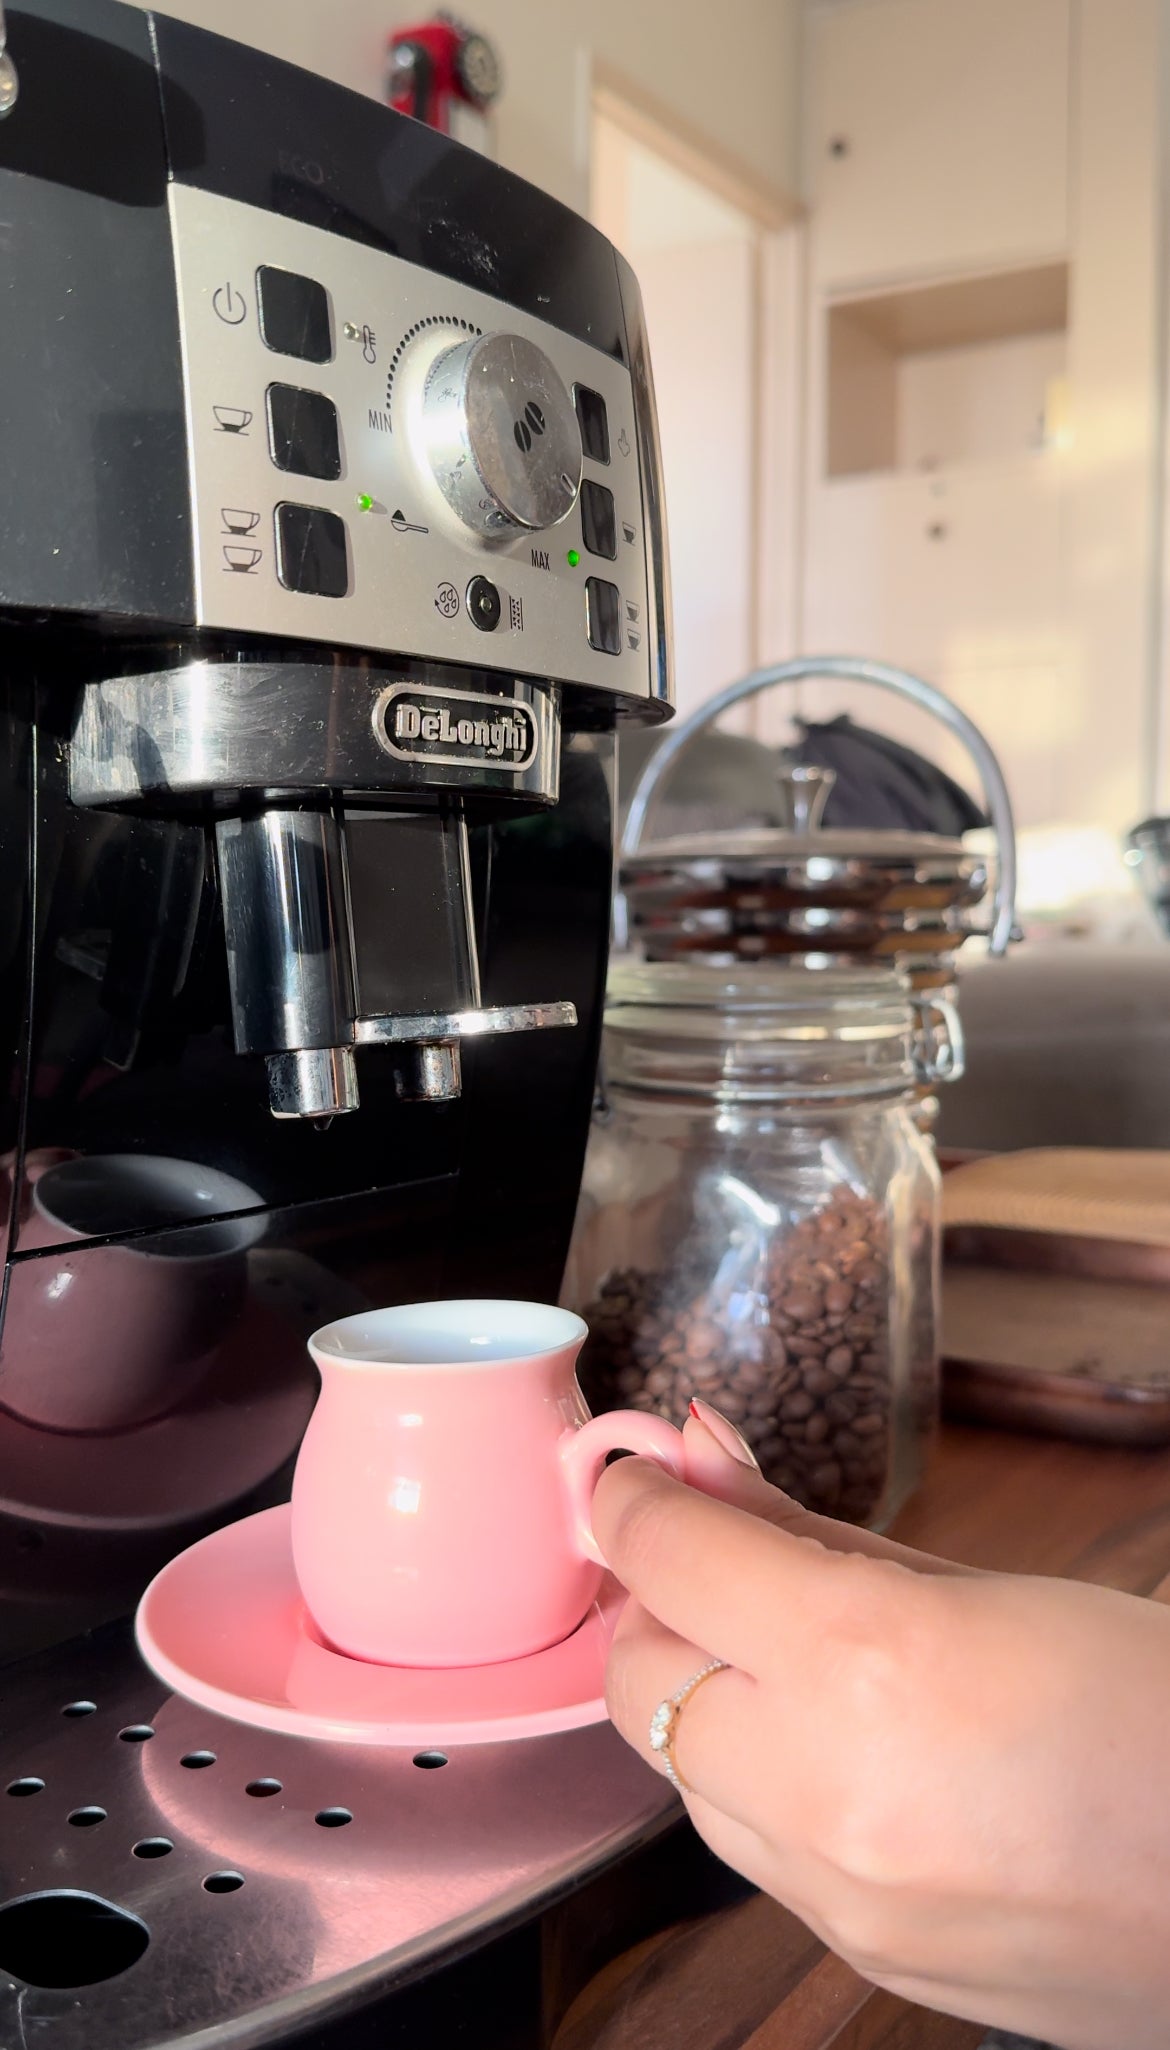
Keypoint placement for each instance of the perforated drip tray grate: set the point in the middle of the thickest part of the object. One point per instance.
(165, 1872)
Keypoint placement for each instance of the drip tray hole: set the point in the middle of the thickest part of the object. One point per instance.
(64, 1939)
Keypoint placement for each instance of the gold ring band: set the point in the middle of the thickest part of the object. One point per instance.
(665, 1720)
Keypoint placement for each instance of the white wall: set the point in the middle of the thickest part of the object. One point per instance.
(1024, 585)
(696, 258)
(732, 78)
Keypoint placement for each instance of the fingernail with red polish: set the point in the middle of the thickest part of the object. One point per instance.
(724, 1433)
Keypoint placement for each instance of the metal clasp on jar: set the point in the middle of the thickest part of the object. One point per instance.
(938, 1050)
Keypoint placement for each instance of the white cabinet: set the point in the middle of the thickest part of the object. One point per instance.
(982, 479)
(938, 136)
(951, 570)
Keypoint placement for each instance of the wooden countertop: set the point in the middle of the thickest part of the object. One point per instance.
(751, 1977)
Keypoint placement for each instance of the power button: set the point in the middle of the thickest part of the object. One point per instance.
(230, 305)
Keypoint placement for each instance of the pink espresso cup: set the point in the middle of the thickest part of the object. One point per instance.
(440, 1508)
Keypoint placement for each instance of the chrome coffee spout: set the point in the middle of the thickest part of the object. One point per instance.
(283, 885)
(9, 82)
(300, 773)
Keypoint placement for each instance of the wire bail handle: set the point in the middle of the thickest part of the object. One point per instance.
(850, 669)
(939, 1051)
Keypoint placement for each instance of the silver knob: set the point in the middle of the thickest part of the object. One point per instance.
(501, 435)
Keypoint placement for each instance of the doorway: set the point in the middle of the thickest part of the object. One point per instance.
(718, 268)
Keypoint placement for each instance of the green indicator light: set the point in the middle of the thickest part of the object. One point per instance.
(573, 558)
(365, 502)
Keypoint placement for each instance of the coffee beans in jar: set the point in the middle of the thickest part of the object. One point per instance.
(759, 1221)
(796, 1354)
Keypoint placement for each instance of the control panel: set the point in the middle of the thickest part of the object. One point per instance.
(383, 459)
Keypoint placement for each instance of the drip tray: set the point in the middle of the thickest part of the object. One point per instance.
(165, 1872)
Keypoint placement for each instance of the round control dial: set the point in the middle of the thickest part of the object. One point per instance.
(501, 435)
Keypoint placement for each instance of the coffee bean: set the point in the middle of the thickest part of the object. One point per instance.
(800, 1364)
(867, 1426)
(803, 1307)
(840, 1408)
(796, 1406)
(706, 1373)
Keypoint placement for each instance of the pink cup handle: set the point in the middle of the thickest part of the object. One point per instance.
(585, 1452)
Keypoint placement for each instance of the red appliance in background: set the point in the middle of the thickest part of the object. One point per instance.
(439, 68)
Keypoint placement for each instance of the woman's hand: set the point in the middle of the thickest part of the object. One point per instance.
(961, 1781)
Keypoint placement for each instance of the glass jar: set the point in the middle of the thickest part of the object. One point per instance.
(759, 1219)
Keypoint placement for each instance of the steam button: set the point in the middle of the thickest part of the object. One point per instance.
(593, 420)
(311, 551)
(294, 315)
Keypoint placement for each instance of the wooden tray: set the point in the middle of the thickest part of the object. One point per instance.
(1072, 1354)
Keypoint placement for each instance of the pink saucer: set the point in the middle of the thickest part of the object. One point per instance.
(224, 1624)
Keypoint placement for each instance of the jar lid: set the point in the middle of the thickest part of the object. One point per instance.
(904, 871)
(777, 1034)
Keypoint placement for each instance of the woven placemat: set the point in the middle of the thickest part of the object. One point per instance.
(1079, 1192)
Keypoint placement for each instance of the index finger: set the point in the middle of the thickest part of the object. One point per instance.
(744, 1589)
(706, 1465)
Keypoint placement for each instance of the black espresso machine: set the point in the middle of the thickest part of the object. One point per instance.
(331, 553)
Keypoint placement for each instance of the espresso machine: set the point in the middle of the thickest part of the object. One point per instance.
(331, 556)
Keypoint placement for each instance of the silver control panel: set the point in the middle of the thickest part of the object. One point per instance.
(386, 460)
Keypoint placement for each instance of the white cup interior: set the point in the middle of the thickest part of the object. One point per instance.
(455, 1334)
(96, 1196)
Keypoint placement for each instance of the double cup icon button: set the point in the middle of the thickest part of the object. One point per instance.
(240, 556)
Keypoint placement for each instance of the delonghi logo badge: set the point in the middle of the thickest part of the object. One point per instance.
(455, 726)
